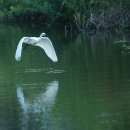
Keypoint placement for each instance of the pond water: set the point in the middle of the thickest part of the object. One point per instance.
(88, 89)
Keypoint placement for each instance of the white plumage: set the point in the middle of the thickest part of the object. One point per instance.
(42, 41)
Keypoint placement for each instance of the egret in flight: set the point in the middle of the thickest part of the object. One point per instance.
(42, 41)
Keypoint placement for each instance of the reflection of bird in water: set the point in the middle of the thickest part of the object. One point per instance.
(42, 41)
(40, 105)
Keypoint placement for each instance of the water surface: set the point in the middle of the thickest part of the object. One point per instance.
(89, 88)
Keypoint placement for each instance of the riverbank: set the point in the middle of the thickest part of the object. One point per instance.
(84, 15)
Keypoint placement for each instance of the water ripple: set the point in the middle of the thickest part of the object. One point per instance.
(46, 70)
(56, 71)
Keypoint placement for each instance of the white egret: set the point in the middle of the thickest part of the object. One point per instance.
(42, 41)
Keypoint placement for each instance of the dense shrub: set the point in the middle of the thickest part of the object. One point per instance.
(85, 14)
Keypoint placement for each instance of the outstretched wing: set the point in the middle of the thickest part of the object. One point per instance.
(19, 49)
(46, 44)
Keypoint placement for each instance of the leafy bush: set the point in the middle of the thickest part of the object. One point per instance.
(85, 14)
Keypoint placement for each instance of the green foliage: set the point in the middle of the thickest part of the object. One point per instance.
(83, 13)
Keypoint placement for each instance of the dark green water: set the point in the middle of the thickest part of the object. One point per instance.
(88, 89)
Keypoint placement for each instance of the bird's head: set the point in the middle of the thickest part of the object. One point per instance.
(42, 35)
